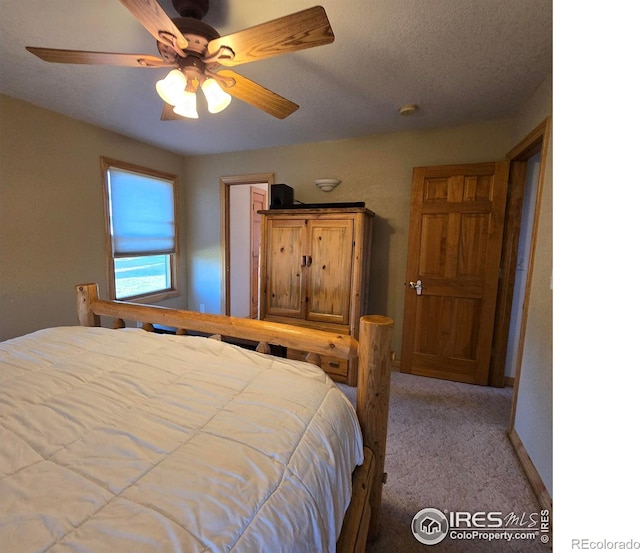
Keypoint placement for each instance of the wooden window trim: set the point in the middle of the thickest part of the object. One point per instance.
(174, 291)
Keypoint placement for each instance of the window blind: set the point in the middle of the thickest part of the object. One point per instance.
(142, 213)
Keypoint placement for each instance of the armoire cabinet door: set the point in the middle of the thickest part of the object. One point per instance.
(284, 267)
(329, 270)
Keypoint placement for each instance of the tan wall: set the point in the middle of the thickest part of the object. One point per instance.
(374, 169)
(51, 202)
(52, 228)
(51, 212)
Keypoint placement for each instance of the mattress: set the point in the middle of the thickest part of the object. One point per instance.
(124, 440)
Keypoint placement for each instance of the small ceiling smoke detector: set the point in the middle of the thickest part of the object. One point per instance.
(408, 109)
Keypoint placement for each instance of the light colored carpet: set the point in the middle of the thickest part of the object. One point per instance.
(447, 448)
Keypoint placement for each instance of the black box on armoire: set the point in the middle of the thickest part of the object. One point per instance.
(281, 196)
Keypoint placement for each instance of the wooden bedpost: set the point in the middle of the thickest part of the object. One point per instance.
(372, 403)
(86, 294)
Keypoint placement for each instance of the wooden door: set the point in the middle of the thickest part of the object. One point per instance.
(455, 238)
(284, 265)
(258, 202)
(329, 270)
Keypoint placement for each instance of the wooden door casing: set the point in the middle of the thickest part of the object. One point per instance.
(455, 229)
(226, 184)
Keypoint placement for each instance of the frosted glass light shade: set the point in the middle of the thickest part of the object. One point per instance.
(170, 88)
(187, 106)
(327, 185)
(217, 99)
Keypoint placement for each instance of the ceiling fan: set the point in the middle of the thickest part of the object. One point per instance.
(196, 52)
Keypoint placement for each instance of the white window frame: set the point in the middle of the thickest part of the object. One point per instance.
(173, 290)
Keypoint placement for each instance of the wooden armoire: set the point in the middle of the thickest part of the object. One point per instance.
(314, 272)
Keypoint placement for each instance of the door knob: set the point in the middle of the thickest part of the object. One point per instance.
(417, 286)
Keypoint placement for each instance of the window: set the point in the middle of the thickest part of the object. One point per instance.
(142, 233)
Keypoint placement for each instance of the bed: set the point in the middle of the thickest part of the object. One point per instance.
(126, 439)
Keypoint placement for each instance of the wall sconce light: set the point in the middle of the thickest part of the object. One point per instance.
(327, 185)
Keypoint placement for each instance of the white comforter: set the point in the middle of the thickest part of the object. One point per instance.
(126, 441)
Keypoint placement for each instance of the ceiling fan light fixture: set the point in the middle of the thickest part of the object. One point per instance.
(196, 50)
(171, 88)
(217, 99)
(187, 105)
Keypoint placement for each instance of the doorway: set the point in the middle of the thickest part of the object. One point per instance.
(526, 161)
(522, 264)
(445, 334)
(241, 196)
(453, 262)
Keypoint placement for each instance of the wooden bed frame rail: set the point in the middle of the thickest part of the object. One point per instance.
(373, 350)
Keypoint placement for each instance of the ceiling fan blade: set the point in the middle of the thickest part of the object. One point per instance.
(155, 20)
(168, 114)
(256, 95)
(97, 58)
(305, 29)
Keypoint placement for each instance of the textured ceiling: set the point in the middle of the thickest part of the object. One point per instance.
(460, 60)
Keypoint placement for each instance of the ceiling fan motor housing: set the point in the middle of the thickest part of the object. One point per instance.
(191, 8)
(197, 33)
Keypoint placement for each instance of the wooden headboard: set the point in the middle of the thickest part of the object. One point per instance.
(373, 350)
